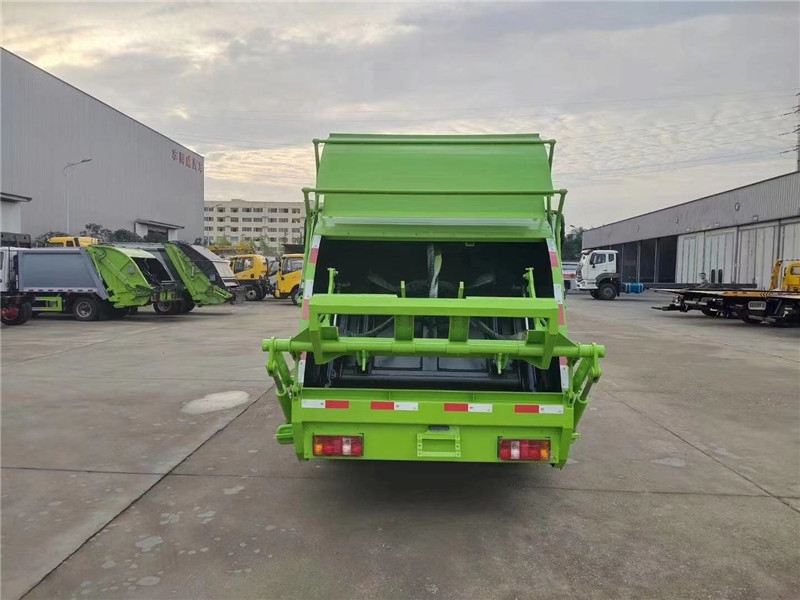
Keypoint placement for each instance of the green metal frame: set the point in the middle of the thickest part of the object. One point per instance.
(499, 205)
(198, 286)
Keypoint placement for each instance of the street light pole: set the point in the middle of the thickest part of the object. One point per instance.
(66, 191)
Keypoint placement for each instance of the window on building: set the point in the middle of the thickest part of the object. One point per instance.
(272, 210)
(283, 230)
(209, 229)
(272, 230)
(220, 209)
(284, 210)
(208, 208)
(272, 220)
(247, 229)
(234, 229)
(235, 238)
(296, 220)
(234, 210)
(247, 209)
(234, 219)
(221, 219)
(295, 211)
(283, 220)
(220, 229)
(208, 218)
(261, 210)
(257, 219)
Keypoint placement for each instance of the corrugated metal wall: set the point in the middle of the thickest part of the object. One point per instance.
(773, 199)
(135, 173)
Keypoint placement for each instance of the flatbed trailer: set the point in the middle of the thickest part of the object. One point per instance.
(750, 305)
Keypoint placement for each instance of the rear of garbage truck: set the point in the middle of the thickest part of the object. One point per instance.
(433, 324)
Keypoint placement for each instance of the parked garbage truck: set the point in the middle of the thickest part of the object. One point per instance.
(433, 324)
(194, 288)
(89, 282)
(216, 269)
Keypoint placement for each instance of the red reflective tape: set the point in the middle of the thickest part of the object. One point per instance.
(554, 259)
(562, 317)
(526, 408)
(337, 403)
(456, 407)
(312, 257)
(381, 405)
(305, 309)
(562, 360)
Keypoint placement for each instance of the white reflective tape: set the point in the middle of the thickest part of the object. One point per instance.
(315, 241)
(551, 245)
(564, 378)
(409, 406)
(308, 288)
(346, 446)
(312, 403)
(301, 372)
(558, 293)
(479, 408)
(551, 409)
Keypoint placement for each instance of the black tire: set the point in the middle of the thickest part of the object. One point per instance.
(252, 293)
(187, 306)
(607, 291)
(118, 313)
(20, 316)
(86, 308)
(709, 312)
(168, 308)
(745, 316)
(594, 294)
(295, 295)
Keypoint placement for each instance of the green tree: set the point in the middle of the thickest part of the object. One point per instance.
(96, 231)
(124, 235)
(572, 244)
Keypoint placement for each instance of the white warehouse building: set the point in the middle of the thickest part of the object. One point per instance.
(76, 160)
(733, 237)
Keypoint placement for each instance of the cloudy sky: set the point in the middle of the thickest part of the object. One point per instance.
(652, 103)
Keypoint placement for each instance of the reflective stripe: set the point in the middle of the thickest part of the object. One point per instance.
(325, 403)
(399, 406)
(542, 409)
(314, 253)
(301, 369)
(564, 369)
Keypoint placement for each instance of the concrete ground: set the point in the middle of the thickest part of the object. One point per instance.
(686, 483)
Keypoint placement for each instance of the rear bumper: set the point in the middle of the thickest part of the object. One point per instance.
(411, 429)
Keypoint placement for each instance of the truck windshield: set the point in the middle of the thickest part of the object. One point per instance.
(290, 265)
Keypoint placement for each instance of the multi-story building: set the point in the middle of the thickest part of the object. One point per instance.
(236, 220)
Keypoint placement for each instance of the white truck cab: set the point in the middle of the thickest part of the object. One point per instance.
(598, 273)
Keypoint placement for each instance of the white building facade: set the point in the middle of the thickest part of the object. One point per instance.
(237, 220)
(81, 161)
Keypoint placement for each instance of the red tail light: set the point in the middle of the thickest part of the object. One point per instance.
(523, 449)
(338, 445)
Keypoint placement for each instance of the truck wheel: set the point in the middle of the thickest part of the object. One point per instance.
(118, 313)
(86, 308)
(295, 295)
(251, 293)
(16, 314)
(709, 312)
(167, 308)
(745, 316)
(187, 306)
(594, 294)
(607, 291)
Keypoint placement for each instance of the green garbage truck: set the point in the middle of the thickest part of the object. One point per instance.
(433, 324)
(90, 282)
(193, 286)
